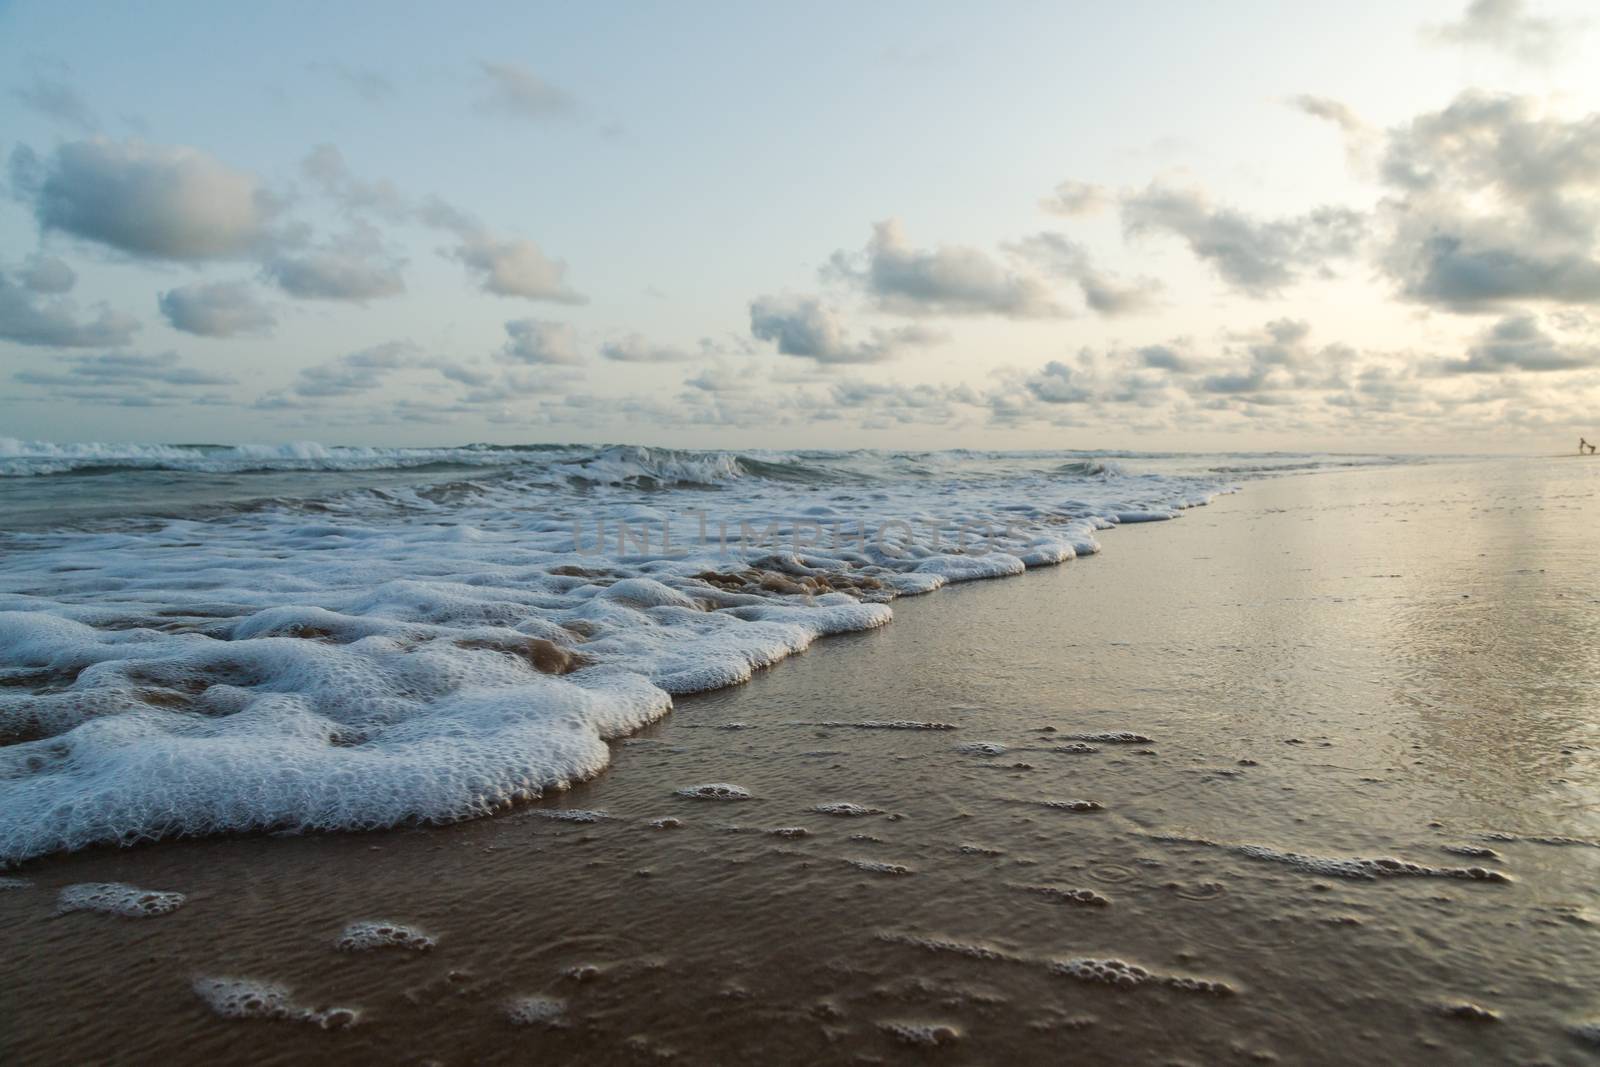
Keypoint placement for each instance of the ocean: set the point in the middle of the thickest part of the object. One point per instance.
(203, 639)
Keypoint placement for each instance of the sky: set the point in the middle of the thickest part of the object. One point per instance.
(1149, 225)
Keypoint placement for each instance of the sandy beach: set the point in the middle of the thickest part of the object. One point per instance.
(1144, 807)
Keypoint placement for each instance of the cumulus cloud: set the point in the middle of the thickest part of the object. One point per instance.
(1491, 201)
(1102, 292)
(1055, 384)
(946, 280)
(804, 326)
(57, 101)
(1258, 257)
(516, 267)
(1518, 343)
(505, 267)
(353, 266)
(218, 309)
(635, 348)
(165, 202)
(513, 90)
(1074, 198)
(540, 341)
(30, 317)
(1506, 26)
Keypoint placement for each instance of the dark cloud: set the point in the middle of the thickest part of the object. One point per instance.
(1518, 343)
(540, 341)
(1491, 202)
(947, 280)
(57, 101)
(1256, 256)
(803, 326)
(44, 273)
(515, 91)
(1102, 292)
(28, 318)
(635, 348)
(149, 201)
(218, 309)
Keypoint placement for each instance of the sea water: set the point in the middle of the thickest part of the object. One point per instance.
(198, 639)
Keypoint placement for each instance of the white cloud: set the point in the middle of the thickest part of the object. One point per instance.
(150, 201)
(540, 341)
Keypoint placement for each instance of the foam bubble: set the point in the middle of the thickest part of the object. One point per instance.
(846, 809)
(1358, 867)
(715, 791)
(14, 883)
(922, 1035)
(969, 949)
(1127, 975)
(1063, 895)
(115, 898)
(569, 814)
(536, 1011)
(248, 998)
(1070, 805)
(377, 933)
(879, 867)
(884, 724)
(1475, 851)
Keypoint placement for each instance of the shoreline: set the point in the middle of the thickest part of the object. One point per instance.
(947, 914)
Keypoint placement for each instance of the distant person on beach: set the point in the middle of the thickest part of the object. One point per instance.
(1582, 444)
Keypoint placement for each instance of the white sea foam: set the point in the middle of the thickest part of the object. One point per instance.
(369, 934)
(114, 898)
(247, 998)
(440, 651)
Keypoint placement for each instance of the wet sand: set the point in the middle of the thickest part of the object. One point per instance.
(1321, 670)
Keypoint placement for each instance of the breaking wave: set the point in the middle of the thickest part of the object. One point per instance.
(358, 648)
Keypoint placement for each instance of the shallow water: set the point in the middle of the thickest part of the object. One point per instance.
(1370, 666)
